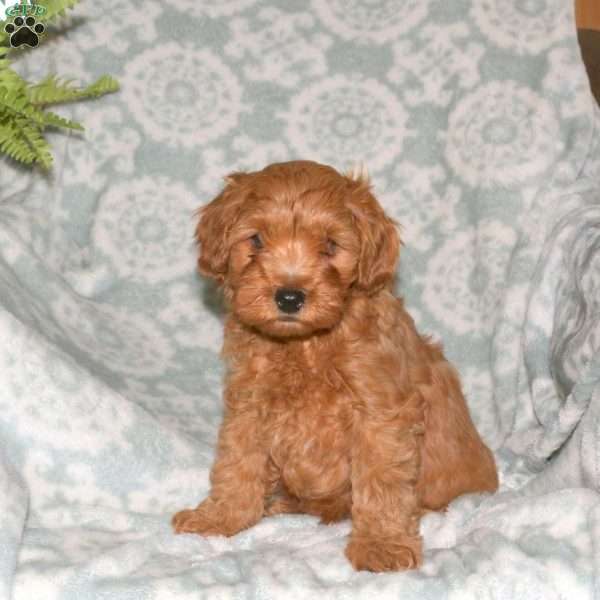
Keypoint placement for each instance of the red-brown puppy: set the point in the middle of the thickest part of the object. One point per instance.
(334, 404)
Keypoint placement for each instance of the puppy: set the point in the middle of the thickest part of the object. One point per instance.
(335, 406)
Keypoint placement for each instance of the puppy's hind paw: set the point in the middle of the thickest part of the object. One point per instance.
(384, 554)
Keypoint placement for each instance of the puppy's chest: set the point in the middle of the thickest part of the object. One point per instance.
(307, 428)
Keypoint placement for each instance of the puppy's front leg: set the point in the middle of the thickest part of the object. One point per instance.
(385, 503)
(236, 500)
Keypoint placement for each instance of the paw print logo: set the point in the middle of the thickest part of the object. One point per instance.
(24, 32)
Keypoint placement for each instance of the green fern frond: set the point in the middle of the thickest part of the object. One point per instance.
(23, 117)
(53, 120)
(3, 34)
(103, 85)
(15, 101)
(52, 90)
(13, 145)
(38, 145)
(9, 79)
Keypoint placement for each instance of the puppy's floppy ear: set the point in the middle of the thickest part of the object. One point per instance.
(379, 240)
(216, 221)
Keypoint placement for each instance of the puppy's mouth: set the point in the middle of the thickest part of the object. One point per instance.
(285, 326)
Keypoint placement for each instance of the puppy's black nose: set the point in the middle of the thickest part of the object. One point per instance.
(289, 301)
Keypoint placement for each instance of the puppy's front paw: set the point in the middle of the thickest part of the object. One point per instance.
(387, 554)
(206, 519)
(214, 518)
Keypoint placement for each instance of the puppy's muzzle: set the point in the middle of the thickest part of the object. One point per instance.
(289, 301)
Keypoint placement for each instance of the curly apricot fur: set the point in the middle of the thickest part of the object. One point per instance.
(341, 409)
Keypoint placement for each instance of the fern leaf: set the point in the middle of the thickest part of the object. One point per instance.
(38, 145)
(15, 146)
(9, 79)
(22, 115)
(53, 91)
(53, 120)
(103, 85)
(16, 102)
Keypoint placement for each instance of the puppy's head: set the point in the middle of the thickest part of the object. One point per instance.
(291, 242)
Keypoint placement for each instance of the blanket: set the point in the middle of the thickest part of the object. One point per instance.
(476, 123)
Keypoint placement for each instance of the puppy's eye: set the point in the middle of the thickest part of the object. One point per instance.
(256, 241)
(330, 247)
